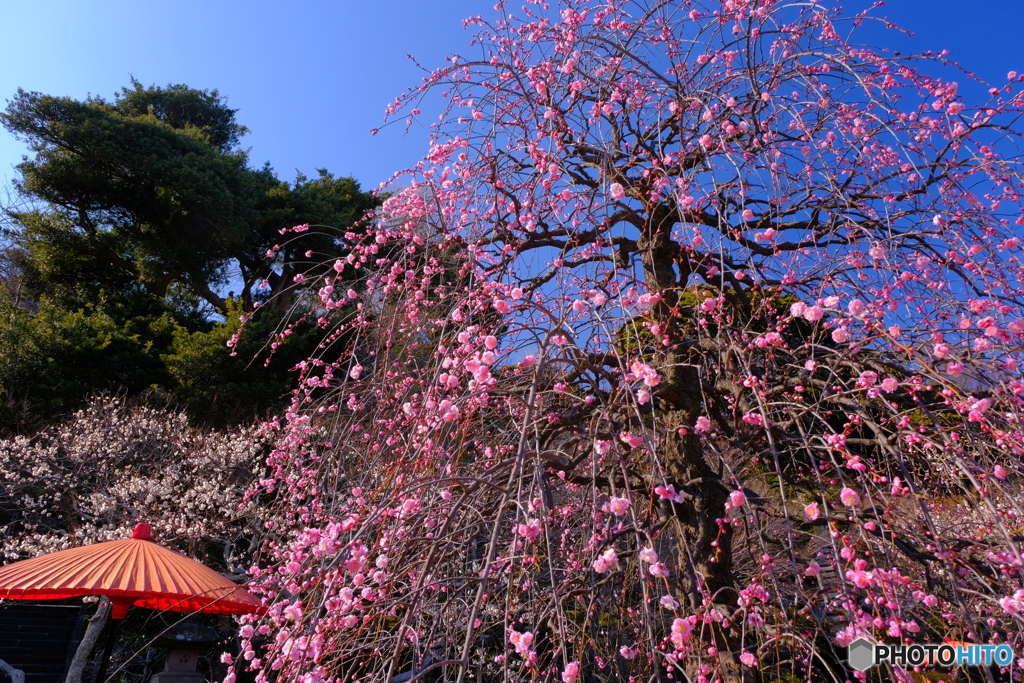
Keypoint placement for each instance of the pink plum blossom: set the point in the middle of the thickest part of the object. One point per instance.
(849, 497)
(618, 506)
(658, 569)
(521, 641)
(841, 335)
(681, 631)
(856, 307)
(606, 561)
(813, 313)
(705, 270)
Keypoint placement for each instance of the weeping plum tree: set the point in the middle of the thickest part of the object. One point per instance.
(689, 352)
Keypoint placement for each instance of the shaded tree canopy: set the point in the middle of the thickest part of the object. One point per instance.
(708, 365)
(151, 191)
(141, 223)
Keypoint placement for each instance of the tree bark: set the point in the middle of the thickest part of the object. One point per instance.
(704, 547)
(85, 648)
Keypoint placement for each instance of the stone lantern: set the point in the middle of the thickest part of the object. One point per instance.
(184, 640)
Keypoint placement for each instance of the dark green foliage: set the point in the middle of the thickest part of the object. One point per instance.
(151, 191)
(155, 204)
(226, 388)
(322, 201)
(181, 107)
(138, 215)
(51, 361)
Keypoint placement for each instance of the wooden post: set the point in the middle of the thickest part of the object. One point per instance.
(85, 648)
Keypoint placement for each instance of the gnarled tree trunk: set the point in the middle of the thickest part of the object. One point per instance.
(704, 545)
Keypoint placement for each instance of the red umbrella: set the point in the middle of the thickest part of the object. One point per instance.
(132, 571)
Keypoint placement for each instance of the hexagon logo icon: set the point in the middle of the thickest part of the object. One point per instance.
(861, 654)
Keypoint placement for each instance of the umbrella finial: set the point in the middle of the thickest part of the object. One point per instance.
(142, 531)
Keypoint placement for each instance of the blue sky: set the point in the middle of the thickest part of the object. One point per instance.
(312, 77)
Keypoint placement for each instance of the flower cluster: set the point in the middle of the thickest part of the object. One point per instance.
(674, 361)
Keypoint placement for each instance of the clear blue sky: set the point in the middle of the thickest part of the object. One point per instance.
(312, 77)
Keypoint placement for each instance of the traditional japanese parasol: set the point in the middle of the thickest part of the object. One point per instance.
(132, 571)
